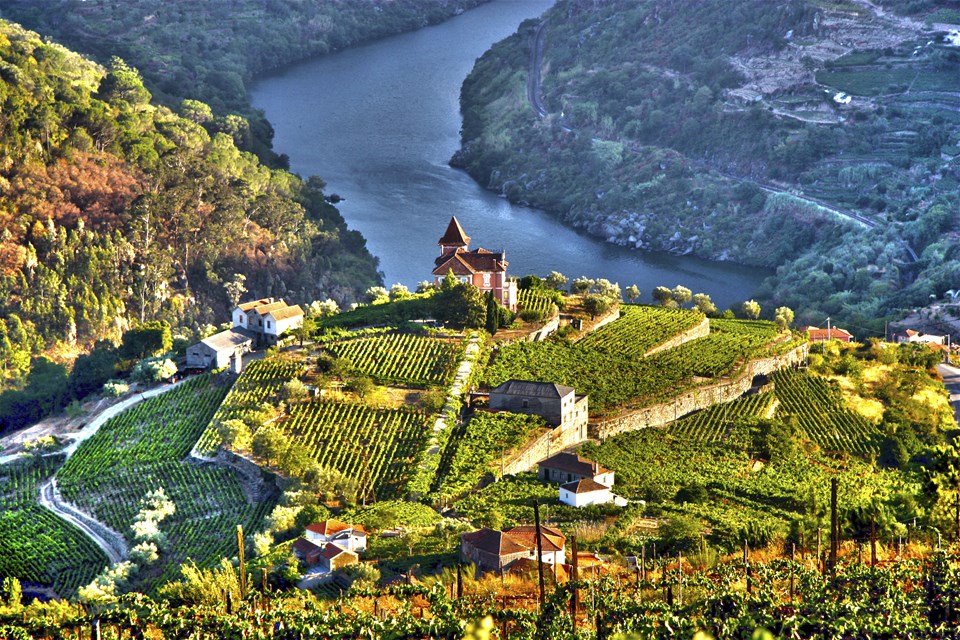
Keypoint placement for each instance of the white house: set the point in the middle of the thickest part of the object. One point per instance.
(581, 493)
(349, 537)
(267, 318)
(277, 321)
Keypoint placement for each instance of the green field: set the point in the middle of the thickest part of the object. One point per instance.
(880, 81)
(401, 358)
(640, 328)
(378, 447)
(147, 447)
(609, 369)
(35, 545)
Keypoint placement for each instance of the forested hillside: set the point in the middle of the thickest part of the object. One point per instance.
(817, 138)
(115, 211)
(210, 50)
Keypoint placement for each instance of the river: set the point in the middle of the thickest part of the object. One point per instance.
(379, 123)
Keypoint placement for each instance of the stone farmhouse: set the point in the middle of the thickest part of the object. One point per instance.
(216, 351)
(559, 405)
(818, 334)
(486, 270)
(915, 336)
(492, 550)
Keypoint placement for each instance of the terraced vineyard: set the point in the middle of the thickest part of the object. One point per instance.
(35, 545)
(259, 381)
(713, 424)
(401, 358)
(818, 405)
(145, 448)
(615, 376)
(378, 447)
(537, 301)
(640, 328)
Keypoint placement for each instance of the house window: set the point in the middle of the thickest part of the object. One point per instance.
(525, 404)
(486, 279)
(268, 324)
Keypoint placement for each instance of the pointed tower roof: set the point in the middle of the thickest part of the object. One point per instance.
(454, 236)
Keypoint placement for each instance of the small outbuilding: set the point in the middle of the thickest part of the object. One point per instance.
(216, 351)
(587, 491)
(567, 467)
(334, 557)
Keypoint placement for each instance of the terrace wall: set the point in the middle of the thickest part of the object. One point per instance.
(543, 447)
(697, 398)
(698, 331)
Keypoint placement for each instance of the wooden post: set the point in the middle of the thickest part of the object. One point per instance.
(95, 630)
(873, 540)
(834, 524)
(263, 579)
(679, 578)
(243, 562)
(459, 580)
(575, 591)
(536, 522)
(643, 562)
(746, 565)
(229, 603)
(819, 544)
(793, 553)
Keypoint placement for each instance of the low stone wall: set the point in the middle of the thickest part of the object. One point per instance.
(698, 331)
(543, 447)
(544, 332)
(697, 398)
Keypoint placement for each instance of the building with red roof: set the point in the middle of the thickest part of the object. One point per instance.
(832, 333)
(493, 550)
(486, 270)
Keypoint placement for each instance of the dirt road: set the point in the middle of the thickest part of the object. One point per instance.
(106, 538)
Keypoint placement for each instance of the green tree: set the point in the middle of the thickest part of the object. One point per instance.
(235, 434)
(633, 292)
(783, 316)
(681, 295)
(664, 297)
(750, 310)
(361, 385)
(148, 339)
(460, 305)
(596, 304)
(306, 329)
(556, 281)
(703, 304)
(580, 286)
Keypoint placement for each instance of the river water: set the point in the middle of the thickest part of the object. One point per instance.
(378, 123)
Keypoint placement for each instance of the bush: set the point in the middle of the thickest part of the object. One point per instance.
(115, 388)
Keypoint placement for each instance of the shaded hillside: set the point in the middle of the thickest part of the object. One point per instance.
(716, 128)
(210, 50)
(114, 211)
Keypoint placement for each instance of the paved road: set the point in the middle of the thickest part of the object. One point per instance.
(106, 538)
(533, 72)
(951, 378)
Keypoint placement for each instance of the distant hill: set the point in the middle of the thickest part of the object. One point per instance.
(818, 138)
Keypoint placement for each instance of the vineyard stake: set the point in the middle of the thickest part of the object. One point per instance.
(680, 578)
(793, 552)
(95, 630)
(459, 580)
(243, 562)
(834, 524)
(643, 562)
(746, 565)
(574, 592)
(819, 543)
(536, 522)
(873, 540)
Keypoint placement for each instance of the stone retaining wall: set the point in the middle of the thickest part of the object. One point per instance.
(543, 447)
(698, 331)
(697, 398)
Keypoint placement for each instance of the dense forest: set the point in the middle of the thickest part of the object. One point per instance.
(210, 50)
(818, 139)
(116, 212)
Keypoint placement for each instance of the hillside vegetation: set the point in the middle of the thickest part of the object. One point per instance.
(115, 212)
(711, 128)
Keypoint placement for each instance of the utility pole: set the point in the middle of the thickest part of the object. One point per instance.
(536, 522)
(834, 524)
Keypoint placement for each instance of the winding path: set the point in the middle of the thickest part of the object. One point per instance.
(106, 538)
(534, 94)
(112, 542)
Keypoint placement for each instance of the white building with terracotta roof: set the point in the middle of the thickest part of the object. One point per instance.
(566, 467)
(580, 493)
(486, 270)
(352, 537)
(267, 318)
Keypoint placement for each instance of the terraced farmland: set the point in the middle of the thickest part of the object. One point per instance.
(713, 424)
(401, 358)
(640, 328)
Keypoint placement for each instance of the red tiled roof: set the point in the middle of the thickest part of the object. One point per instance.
(331, 551)
(573, 463)
(253, 304)
(304, 547)
(526, 534)
(454, 235)
(289, 312)
(468, 262)
(328, 527)
(586, 485)
(492, 541)
(264, 309)
(834, 333)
